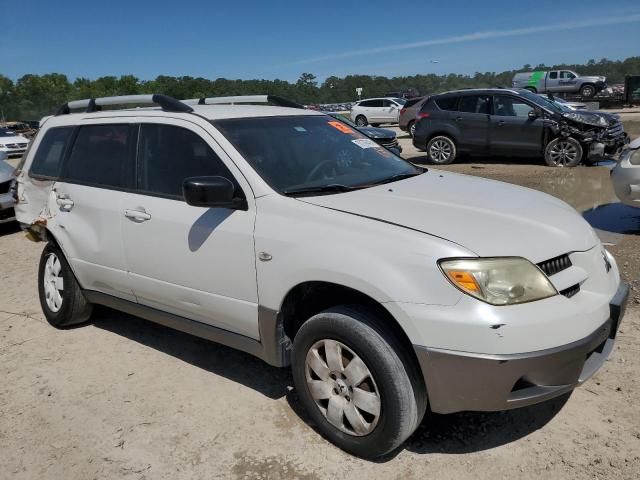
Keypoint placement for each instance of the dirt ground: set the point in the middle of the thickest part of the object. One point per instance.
(122, 397)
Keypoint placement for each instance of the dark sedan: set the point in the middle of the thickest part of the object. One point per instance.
(383, 136)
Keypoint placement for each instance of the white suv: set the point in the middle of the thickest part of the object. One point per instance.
(375, 111)
(289, 235)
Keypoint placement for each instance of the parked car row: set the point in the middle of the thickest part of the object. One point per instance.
(291, 236)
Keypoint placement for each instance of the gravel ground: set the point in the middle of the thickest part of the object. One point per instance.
(122, 397)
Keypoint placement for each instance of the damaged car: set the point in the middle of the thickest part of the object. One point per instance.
(514, 123)
(626, 175)
(7, 185)
(390, 290)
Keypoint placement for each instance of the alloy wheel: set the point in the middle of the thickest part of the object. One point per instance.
(563, 153)
(440, 151)
(342, 387)
(53, 283)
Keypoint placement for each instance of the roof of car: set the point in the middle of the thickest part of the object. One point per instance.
(210, 112)
(483, 90)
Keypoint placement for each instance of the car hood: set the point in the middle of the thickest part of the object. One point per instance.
(592, 118)
(375, 132)
(13, 139)
(487, 217)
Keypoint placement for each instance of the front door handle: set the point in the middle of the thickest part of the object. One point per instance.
(501, 123)
(64, 202)
(458, 119)
(137, 216)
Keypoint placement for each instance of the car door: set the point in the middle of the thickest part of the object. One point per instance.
(87, 203)
(567, 82)
(472, 121)
(389, 112)
(194, 262)
(513, 131)
(552, 81)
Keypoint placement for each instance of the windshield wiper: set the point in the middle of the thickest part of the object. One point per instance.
(334, 187)
(395, 178)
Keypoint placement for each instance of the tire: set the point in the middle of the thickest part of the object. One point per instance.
(441, 150)
(376, 125)
(391, 384)
(411, 128)
(531, 89)
(66, 306)
(563, 152)
(587, 90)
(361, 121)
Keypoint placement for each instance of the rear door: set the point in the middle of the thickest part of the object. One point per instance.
(194, 262)
(553, 81)
(513, 132)
(472, 119)
(88, 199)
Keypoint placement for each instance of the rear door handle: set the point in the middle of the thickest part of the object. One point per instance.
(137, 215)
(64, 202)
(458, 119)
(501, 123)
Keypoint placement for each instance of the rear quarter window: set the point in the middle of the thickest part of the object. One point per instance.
(447, 103)
(48, 158)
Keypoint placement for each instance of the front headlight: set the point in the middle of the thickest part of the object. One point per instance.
(498, 281)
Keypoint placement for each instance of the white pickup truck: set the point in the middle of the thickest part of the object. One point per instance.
(559, 81)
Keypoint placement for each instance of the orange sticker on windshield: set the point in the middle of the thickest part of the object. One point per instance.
(340, 126)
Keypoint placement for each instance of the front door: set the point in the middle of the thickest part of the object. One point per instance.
(194, 262)
(88, 200)
(513, 132)
(472, 120)
(390, 111)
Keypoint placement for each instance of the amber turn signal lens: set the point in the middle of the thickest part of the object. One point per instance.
(464, 280)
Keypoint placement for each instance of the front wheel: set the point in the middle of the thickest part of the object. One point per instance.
(587, 91)
(355, 382)
(361, 121)
(61, 298)
(441, 150)
(563, 152)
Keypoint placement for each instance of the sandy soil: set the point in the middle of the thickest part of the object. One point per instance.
(122, 397)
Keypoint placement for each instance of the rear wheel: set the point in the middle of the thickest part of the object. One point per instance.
(361, 121)
(587, 91)
(412, 128)
(441, 150)
(355, 382)
(563, 152)
(61, 298)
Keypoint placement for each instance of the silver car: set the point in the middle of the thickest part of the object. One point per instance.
(6, 197)
(626, 175)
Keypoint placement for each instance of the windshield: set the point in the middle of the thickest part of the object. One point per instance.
(344, 119)
(4, 132)
(401, 101)
(540, 101)
(311, 152)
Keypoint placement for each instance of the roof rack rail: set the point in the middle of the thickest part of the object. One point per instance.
(167, 103)
(244, 99)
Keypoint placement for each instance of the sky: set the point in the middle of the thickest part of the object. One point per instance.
(281, 39)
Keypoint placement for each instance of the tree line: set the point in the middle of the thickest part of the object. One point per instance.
(32, 96)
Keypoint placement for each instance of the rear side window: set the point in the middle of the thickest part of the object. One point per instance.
(168, 154)
(367, 103)
(447, 103)
(102, 155)
(48, 158)
(474, 104)
(553, 75)
(411, 102)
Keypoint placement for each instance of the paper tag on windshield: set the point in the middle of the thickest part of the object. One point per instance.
(365, 143)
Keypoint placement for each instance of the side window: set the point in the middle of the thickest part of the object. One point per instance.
(474, 104)
(447, 103)
(102, 155)
(366, 103)
(553, 75)
(167, 155)
(377, 103)
(505, 106)
(48, 158)
(387, 103)
(566, 75)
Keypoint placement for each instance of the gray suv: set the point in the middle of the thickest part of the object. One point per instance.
(514, 123)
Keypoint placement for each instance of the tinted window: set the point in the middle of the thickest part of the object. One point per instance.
(567, 75)
(366, 103)
(411, 102)
(387, 103)
(474, 104)
(48, 158)
(447, 103)
(167, 155)
(553, 75)
(505, 106)
(101, 155)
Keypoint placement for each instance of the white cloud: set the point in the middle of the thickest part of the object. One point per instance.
(596, 22)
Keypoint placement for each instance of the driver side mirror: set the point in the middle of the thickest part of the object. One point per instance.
(212, 192)
(533, 114)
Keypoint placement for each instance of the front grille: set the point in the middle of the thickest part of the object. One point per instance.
(555, 265)
(4, 186)
(615, 130)
(17, 145)
(570, 291)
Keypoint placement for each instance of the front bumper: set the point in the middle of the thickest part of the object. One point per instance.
(458, 381)
(7, 213)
